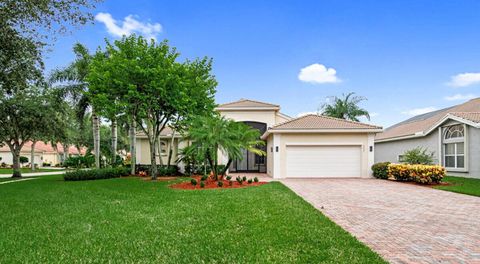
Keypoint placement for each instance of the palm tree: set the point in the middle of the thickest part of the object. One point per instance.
(72, 80)
(209, 135)
(345, 107)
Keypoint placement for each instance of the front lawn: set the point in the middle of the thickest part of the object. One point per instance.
(461, 185)
(26, 170)
(137, 221)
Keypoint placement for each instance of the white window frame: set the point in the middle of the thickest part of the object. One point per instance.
(455, 141)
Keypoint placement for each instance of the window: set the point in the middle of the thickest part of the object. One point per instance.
(401, 158)
(163, 148)
(454, 147)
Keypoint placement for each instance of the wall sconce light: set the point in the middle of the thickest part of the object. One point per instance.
(371, 148)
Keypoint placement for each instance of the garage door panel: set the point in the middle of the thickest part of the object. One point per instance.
(323, 161)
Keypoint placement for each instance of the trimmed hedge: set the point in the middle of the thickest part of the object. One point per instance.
(380, 170)
(199, 169)
(163, 170)
(424, 174)
(96, 174)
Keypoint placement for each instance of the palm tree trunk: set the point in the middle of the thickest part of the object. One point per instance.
(32, 156)
(114, 141)
(96, 137)
(133, 142)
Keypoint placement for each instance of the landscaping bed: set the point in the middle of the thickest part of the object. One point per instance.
(210, 183)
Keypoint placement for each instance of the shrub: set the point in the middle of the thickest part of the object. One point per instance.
(239, 180)
(220, 183)
(96, 174)
(424, 174)
(162, 170)
(86, 161)
(202, 184)
(380, 170)
(418, 155)
(193, 182)
(244, 178)
(23, 159)
(46, 164)
(229, 177)
(255, 179)
(204, 177)
(250, 181)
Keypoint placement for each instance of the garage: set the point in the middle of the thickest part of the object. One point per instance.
(323, 161)
(316, 146)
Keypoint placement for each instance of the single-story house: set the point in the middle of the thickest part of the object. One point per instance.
(310, 146)
(452, 134)
(44, 153)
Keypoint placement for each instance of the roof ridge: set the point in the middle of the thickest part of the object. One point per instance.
(251, 100)
(324, 116)
(349, 121)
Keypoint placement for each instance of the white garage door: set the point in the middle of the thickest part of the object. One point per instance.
(323, 161)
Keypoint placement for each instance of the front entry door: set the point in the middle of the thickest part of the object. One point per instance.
(250, 162)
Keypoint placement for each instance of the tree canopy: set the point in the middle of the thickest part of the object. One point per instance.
(345, 107)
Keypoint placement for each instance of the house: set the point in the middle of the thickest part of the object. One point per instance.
(310, 146)
(452, 134)
(44, 153)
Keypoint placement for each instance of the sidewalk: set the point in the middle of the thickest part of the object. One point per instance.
(35, 174)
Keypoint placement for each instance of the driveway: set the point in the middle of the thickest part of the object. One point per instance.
(404, 223)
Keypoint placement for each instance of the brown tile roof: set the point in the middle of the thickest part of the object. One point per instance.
(424, 122)
(313, 121)
(41, 147)
(167, 131)
(471, 116)
(248, 104)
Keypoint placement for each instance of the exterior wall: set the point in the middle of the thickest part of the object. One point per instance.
(143, 151)
(322, 138)
(51, 158)
(280, 119)
(472, 142)
(268, 116)
(270, 156)
(389, 151)
(7, 158)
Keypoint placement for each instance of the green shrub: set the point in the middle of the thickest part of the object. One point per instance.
(250, 181)
(202, 184)
(162, 170)
(23, 159)
(255, 179)
(244, 178)
(418, 156)
(228, 177)
(424, 174)
(96, 174)
(239, 180)
(204, 177)
(220, 183)
(86, 161)
(380, 170)
(193, 182)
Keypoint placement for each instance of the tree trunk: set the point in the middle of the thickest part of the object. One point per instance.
(133, 141)
(114, 142)
(16, 162)
(153, 159)
(96, 137)
(170, 149)
(66, 149)
(226, 168)
(32, 156)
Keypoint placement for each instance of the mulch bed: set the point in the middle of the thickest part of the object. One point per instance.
(212, 184)
(163, 178)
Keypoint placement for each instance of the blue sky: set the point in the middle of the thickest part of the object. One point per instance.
(405, 56)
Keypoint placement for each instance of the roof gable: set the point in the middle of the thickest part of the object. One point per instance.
(322, 122)
(247, 103)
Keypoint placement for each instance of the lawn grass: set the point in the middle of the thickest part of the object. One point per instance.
(26, 170)
(136, 221)
(461, 185)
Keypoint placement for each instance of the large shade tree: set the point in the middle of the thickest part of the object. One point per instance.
(213, 135)
(151, 87)
(345, 107)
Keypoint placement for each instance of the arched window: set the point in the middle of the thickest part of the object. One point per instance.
(454, 147)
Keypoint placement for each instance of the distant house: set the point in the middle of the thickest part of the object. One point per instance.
(44, 153)
(452, 134)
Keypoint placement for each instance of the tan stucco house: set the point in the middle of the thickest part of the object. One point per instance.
(310, 146)
(452, 134)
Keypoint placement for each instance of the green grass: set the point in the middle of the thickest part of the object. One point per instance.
(461, 185)
(136, 221)
(26, 170)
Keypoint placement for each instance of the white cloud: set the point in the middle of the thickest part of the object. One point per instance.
(318, 73)
(464, 79)
(306, 113)
(419, 111)
(460, 97)
(128, 26)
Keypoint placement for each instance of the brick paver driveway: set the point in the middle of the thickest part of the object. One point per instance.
(403, 223)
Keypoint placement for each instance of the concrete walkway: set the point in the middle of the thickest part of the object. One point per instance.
(404, 223)
(35, 174)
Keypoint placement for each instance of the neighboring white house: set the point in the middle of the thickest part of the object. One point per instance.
(44, 153)
(310, 146)
(452, 134)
